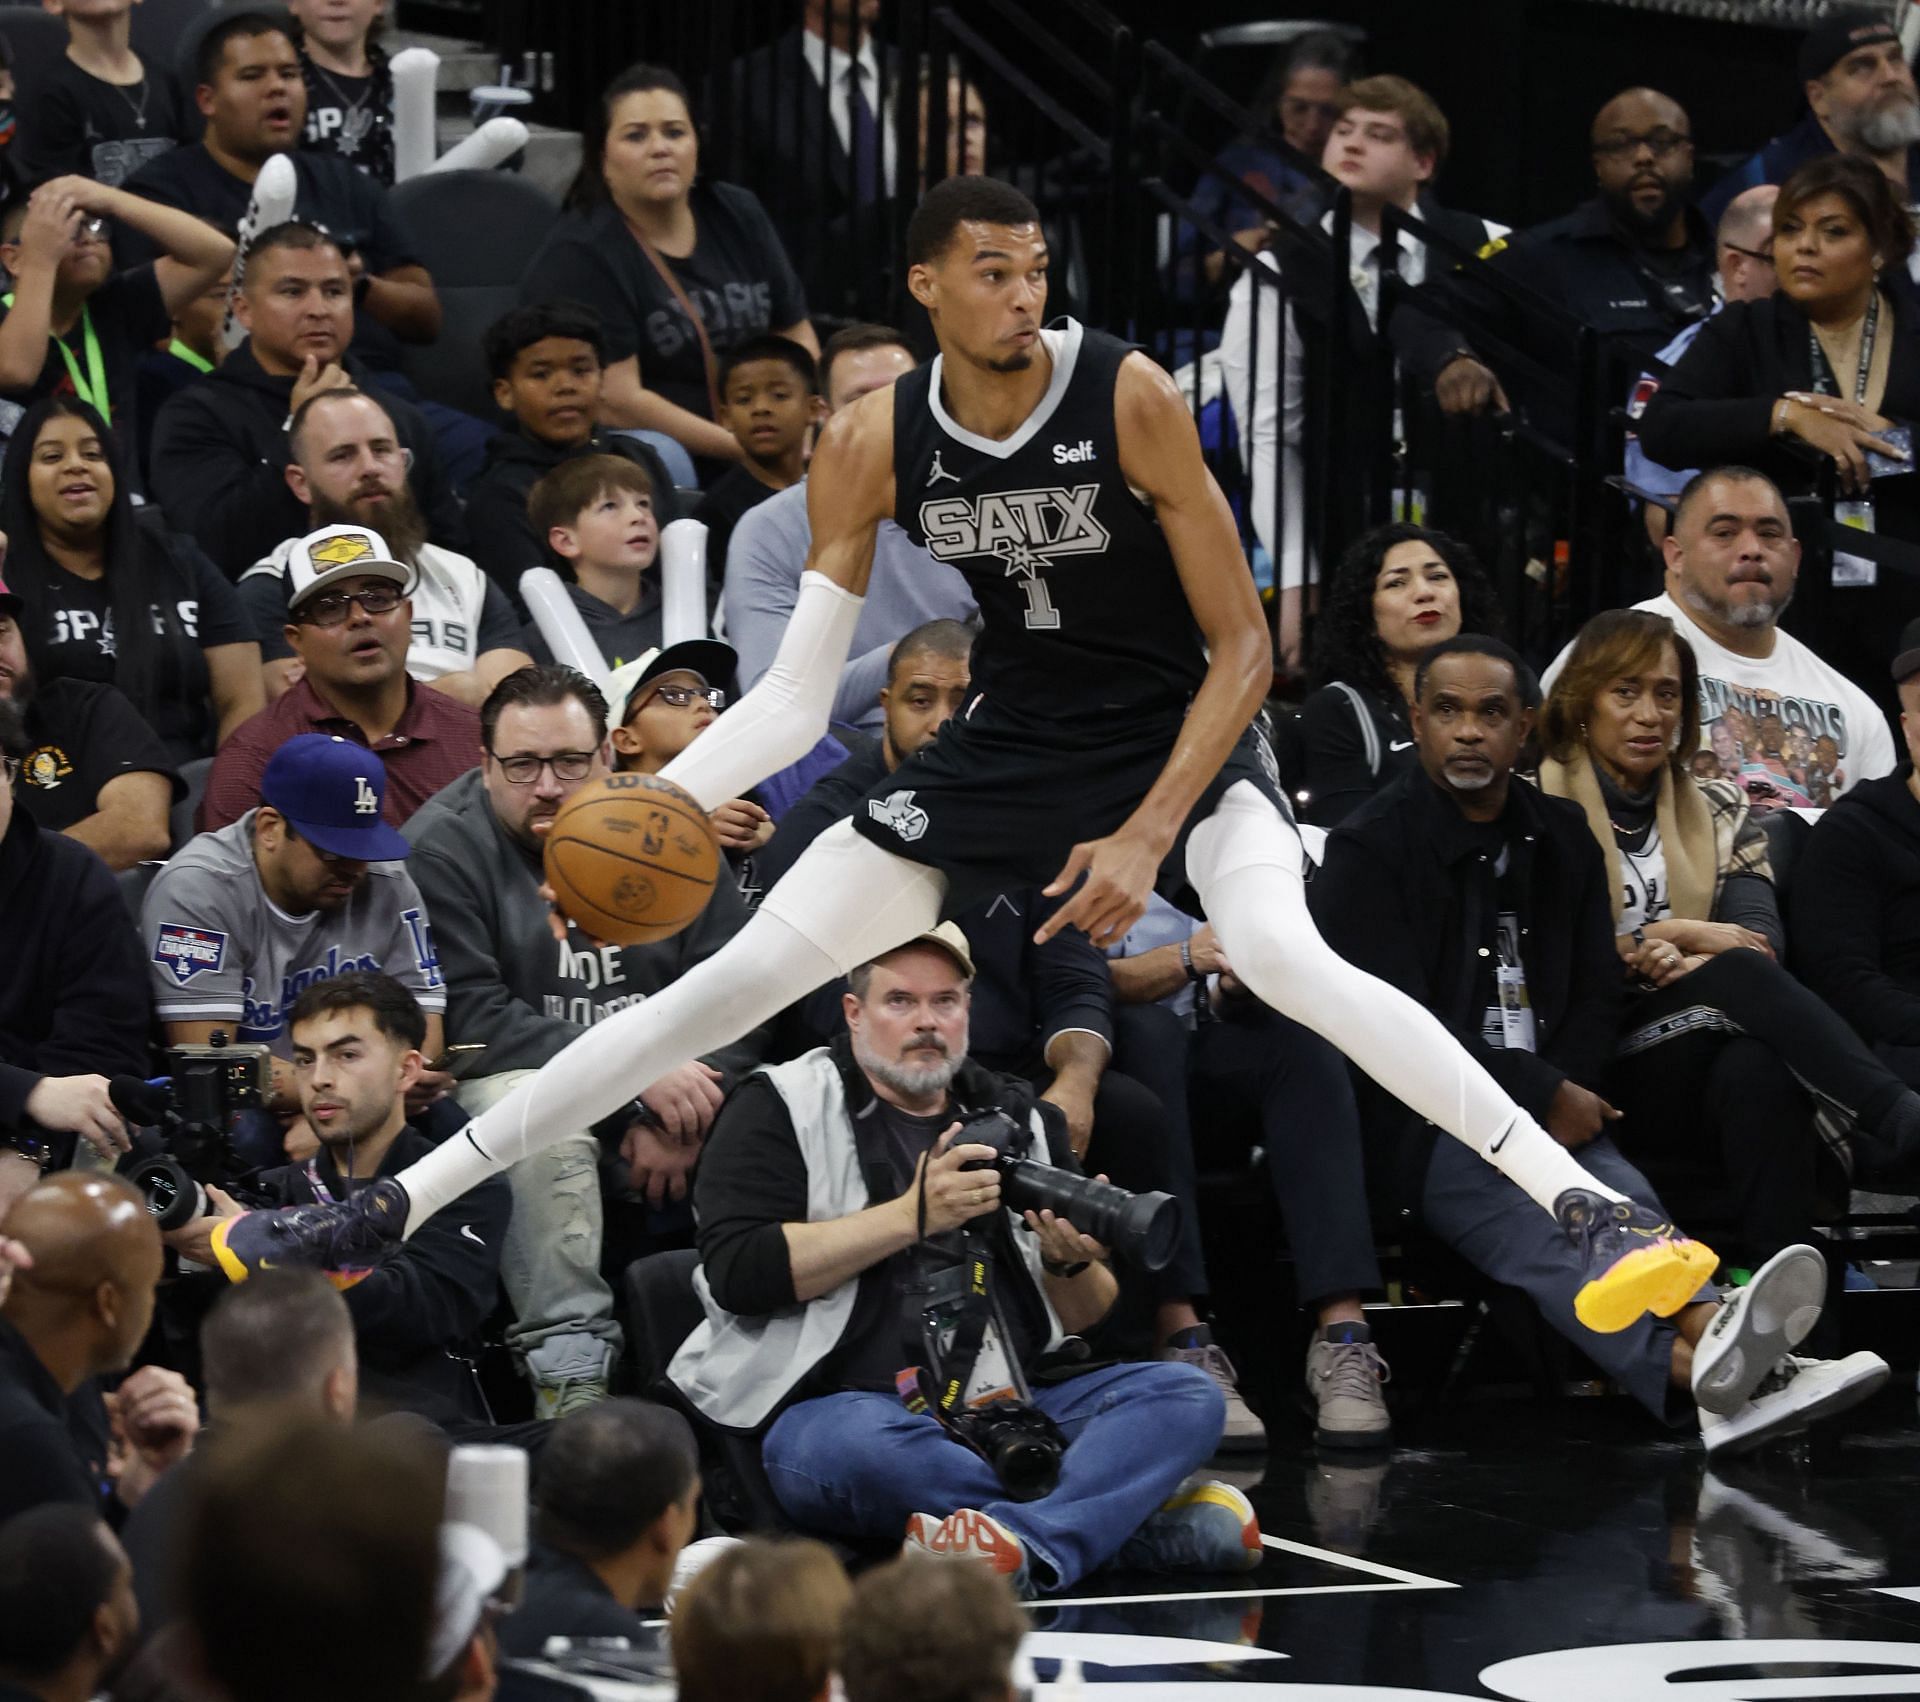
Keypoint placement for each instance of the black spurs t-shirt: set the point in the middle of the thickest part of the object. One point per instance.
(350, 118)
(738, 279)
(80, 736)
(72, 122)
(128, 315)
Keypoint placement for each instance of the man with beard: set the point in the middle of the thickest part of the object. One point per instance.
(349, 624)
(1732, 562)
(521, 996)
(1861, 100)
(846, 1227)
(349, 468)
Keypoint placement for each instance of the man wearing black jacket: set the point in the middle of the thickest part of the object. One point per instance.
(220, 449)
(356, 1049)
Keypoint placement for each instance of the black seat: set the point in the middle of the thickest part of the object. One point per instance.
(1787, 833)
(180, 817)
(133, 886)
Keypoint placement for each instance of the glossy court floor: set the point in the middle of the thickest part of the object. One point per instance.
(1545, 1551)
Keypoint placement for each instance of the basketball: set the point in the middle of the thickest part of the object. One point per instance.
(631, 859)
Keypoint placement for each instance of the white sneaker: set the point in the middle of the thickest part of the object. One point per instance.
(1770, 1317)
(1792, 1396)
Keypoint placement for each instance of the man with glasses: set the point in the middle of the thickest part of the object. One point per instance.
(350, 620)
(522, 996)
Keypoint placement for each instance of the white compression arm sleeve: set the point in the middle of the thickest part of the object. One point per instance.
(783, 716)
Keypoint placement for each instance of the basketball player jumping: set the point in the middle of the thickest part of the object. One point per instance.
(1108, 743)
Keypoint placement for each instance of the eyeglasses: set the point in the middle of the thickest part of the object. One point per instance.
(1764, 256)
(678, 697)
(1660, 143)
(331, 608)
(525, 770)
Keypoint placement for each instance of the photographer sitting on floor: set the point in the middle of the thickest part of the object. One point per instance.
(846, 1236)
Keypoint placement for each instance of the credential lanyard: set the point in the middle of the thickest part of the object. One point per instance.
(1824, 379)
(93, 388)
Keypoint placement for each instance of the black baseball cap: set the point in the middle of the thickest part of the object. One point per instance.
(1834, 37)
(1906, 662)
(712, 660)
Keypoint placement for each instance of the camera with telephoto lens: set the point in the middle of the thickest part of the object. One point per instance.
(1142, 1228)
(183, 1142)
(1019, 1441)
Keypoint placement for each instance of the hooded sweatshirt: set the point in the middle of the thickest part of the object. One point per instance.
(1854, 910)
(220, 455)
(510, 985)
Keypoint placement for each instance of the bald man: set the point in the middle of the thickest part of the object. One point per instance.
(76, 1309)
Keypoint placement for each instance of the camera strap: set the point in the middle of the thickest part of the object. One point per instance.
(952, 1315)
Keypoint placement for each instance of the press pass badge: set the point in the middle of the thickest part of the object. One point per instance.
(1516, 1012)
(1854, 570)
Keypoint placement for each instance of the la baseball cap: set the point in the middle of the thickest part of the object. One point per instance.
(1837, 35)
(713, 661)
(333, 553)
(1907, 662)
(330, 790)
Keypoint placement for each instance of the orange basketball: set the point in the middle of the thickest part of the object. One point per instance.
(632, 858)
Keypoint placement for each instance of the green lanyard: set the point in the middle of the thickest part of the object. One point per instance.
(93, 388)
(193, 357)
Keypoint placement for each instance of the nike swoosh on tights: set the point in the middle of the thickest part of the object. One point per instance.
(466, 1229)
(1401, 745)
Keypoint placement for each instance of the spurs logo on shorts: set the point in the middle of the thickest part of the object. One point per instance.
(1026, 529)
(899, 812)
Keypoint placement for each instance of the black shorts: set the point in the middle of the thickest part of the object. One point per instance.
(997, 802)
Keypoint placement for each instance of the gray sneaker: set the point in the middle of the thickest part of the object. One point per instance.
(569, 1394)
(1344, 1379)
(1243, 1432)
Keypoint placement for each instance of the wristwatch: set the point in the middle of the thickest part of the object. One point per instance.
(30, 1144)
(1072, 1270)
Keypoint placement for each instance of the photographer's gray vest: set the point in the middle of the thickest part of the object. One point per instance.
(737, 1371)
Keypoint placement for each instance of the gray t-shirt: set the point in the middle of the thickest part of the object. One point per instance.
(219, 950)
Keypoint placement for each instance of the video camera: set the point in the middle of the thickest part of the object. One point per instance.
(184, 1121)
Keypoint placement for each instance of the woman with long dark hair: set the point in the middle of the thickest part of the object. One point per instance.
(679, 270)
(109, 595)
(1396, 593)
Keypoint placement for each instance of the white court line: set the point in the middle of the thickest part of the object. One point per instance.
(1412, 1580)
(1397, 1579)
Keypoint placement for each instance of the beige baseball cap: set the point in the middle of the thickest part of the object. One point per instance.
(333, 553)
(947, 936)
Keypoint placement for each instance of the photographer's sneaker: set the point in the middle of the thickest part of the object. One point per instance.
(1636, 1261)
(345, 1241)
(1757, 1326)
(1793, 1394)
(1345, 1376)
(977, 1536)
(1208, 1528)
(1243, 1432)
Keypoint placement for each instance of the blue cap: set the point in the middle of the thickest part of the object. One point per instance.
(330, 790)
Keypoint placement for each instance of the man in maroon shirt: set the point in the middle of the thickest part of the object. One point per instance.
(349, 621)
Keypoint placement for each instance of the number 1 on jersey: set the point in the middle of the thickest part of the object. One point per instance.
(1041, 614)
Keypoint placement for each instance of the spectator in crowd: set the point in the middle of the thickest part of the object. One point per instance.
(596, 515)
(253, 95)
(72, 325)
(463, 1651)
(547, 362)
(97, 110)
(1861, 100)
(1697, 921)
(350, 624)
(1388, 143)
(1745, 238)
(350, 469)
(73, 1005)
(68, 1619)
(942, 1633)
(765, 1622)
(808, 1277)
(75, 1314)
(90, 768)
(770, 402)
(117, 599)
(193, 351)
(1732, 561)
(1488, 902)
(1302, 92)
(615, 1499)
(345, 1523)
(818, 107)
(477, 857)
(1397, 592)
(306, 885)
(220, 449)
(359, 1041)
(679, 271)
(966, 121)
(1854, 927)
(349, 83)
(770, 545)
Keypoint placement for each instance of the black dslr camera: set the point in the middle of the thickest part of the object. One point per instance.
(1142, 1228)
(182, 1141)
(1019, 1441)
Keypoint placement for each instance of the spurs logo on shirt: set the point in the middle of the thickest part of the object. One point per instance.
(1026, 529)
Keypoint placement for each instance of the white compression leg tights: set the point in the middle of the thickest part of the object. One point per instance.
(843, 903)
(1244, 861)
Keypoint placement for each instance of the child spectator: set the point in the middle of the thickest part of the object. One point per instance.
(97, 111)
(349, 83)
(547, 363)
(770, 401)
(595, 514)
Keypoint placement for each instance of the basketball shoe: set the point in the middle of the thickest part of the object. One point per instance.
(1207, 1528)
(345, 1241)
(975, 1536)
(1636, 1262)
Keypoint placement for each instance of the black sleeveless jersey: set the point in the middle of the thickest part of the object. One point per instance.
(1083, 612)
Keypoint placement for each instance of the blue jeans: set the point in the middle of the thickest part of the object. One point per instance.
(860, 1465)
